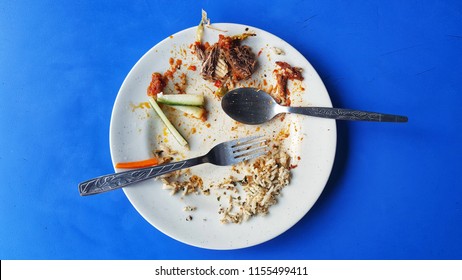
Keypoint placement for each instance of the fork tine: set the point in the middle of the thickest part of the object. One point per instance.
(255, 155)
(248, 145)
(246, 152)
(242, 141)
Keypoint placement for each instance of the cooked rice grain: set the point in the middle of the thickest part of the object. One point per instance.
(263, 182)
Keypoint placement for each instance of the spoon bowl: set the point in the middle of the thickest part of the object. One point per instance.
(254, 106)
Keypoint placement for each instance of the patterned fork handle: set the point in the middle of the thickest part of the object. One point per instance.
(118, 180)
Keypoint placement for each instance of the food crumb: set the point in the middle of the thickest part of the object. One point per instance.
(278, 51)
(189, 218)
(190, 208)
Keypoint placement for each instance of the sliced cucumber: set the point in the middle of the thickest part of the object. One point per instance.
(167, 123)
(197, 112)
(181, 99)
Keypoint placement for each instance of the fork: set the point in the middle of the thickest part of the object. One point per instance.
(223, 154)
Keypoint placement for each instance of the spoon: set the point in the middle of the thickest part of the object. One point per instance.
(255, 106)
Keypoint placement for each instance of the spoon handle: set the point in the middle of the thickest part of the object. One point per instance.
(345, 114)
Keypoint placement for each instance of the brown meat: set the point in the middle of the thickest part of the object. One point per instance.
(199, 51)
(292, 73)
(226, 58)
(242, 62)
(209, 63)
(285, 73)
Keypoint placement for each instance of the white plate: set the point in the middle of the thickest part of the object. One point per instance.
(135, 132)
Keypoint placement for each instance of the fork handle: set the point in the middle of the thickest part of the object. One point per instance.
(122, 179)
(346, 114)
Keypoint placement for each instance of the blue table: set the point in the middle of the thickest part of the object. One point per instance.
(395, 191)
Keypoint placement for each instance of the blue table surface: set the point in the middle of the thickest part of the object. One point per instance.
(395, 190)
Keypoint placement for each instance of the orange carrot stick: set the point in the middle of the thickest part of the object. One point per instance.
(138, 164)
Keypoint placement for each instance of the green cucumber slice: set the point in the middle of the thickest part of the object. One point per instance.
(181, 99)
(167, 123)
(197, 112)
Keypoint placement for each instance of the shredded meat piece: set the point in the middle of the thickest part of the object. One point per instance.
(285, 73)
(226, 59)
(210, 62)
(199, 51)
(292, 73)
(242, 62)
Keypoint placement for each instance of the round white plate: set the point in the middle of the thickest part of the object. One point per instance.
(136, 131)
